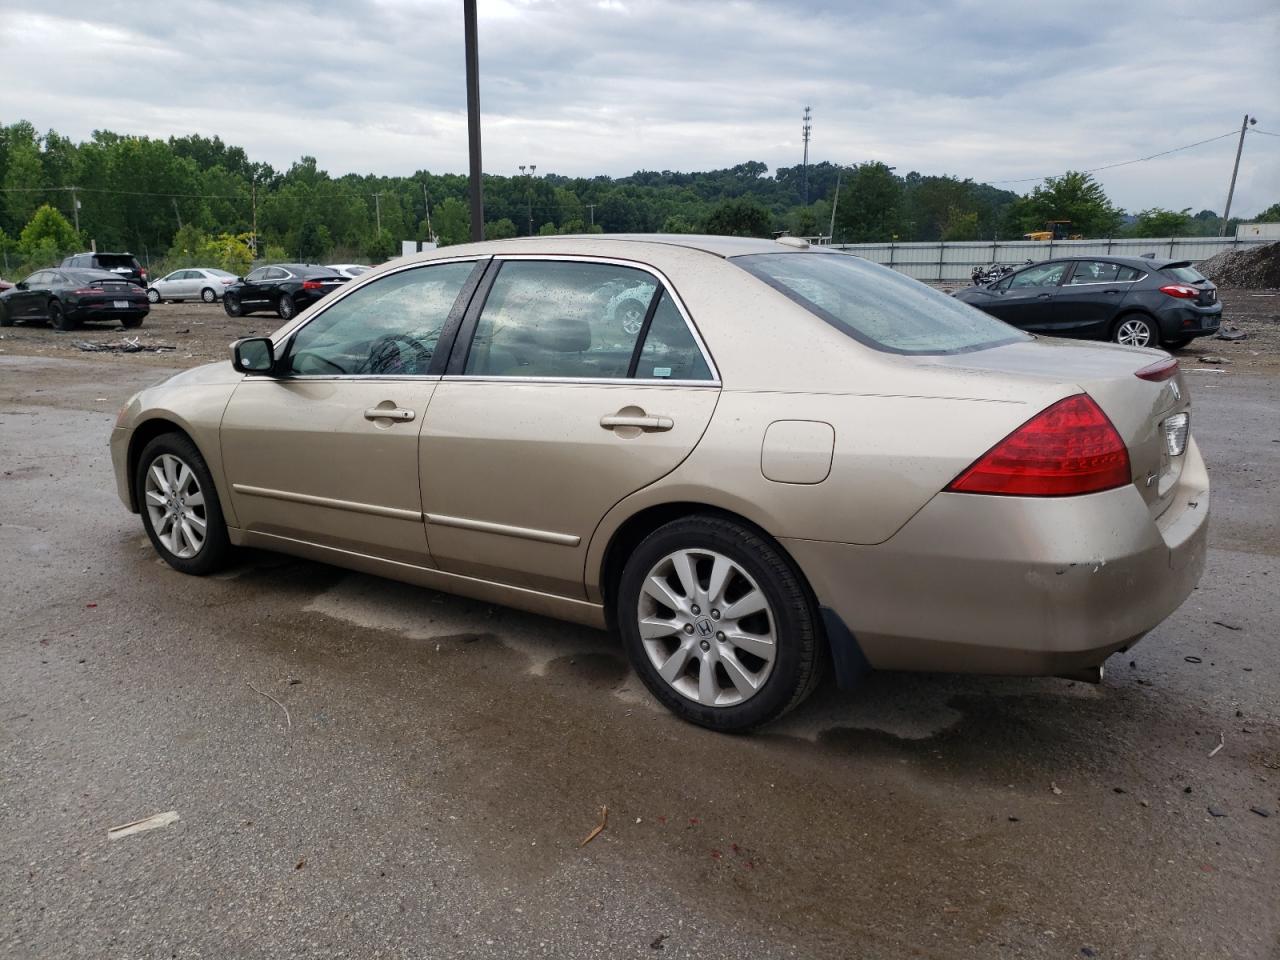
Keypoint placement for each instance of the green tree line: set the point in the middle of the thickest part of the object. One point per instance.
(194, 198)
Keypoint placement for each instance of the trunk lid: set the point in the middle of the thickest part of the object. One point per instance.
(1107, 372)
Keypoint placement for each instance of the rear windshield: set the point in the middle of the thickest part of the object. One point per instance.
(878, 306)
(317, 273)
(110, 261)
(1184, 272)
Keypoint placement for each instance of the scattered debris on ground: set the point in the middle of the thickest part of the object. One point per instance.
(604, 822)
(1229, 331)
(143, 825)
(1222, 742)
(287, 719)
(128, 345)
(1213, 359)
(1253, 268)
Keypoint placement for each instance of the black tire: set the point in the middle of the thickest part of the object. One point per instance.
(216, 550)
(131, 323)
(1128, 321)
(6, 319)
(797, 666)
(58, 318)
(232, 306)
(286, 307)
(208, 296)
(153, 295)
(1176, 343)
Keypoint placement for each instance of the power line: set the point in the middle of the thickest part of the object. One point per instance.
(1125, 163)
(1265, 133)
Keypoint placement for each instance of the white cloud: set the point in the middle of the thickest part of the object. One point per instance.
(993, 90)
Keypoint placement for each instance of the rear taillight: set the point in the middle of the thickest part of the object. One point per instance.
(1180, 290)
(312, 285)
(86, 291)
(1158, 371)
(142, 272)
(1067, 449)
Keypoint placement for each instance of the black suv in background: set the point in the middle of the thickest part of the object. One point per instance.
(1137, 301)
(124, 265)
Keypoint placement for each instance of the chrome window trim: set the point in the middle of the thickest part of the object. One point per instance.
(667, 287)
(1097, 283)
(585, 381)
(344, 377)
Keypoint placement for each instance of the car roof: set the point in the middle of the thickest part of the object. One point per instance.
(1142, 263)
(87, 273)
(619, 244)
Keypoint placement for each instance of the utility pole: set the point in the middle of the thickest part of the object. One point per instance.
(175, 211)
(831, 230)
(1226, 214)
(377, 211)
(253, 187)
(528, 193)
(591, 207)
(75, 207)
(431, 234)
(808, 125)
(473, 116)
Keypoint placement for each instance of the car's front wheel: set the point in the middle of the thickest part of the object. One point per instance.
(286, 307)
(718, 623)
(6, 318)
(179, 506)
(207, 295)
(1176, 343)
(232, 306)
(1135, 330)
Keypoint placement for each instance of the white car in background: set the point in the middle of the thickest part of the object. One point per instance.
(197, 283)
(349, 270)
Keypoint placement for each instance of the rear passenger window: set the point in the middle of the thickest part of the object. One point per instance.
(1128, 273)
(560, 319)
(1093, 271)
(670, 352)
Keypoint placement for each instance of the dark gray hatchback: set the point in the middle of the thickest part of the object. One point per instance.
(1132, 300)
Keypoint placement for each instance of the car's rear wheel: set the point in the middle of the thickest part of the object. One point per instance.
(286, 307)
(131, 322)
(153, 295)
(1136, 330)
(179, 506)
(207, 295)
(58, 318)
(232, 306)
(718, 623)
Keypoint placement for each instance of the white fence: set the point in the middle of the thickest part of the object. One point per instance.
(954, 260)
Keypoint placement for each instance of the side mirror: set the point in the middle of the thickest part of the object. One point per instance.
(239, 279)
(253, 355)
(22, 285)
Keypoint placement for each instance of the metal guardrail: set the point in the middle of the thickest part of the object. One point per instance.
(953, 260)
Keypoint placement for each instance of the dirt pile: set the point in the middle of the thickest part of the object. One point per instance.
(1254, 268)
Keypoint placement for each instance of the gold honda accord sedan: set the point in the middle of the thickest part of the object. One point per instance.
(752, 459)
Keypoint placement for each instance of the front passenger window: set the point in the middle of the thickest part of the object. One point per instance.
(386, 328)
(1041, 275)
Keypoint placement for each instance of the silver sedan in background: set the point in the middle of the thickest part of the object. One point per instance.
(196, 283)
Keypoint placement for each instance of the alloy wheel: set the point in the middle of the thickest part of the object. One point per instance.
(1134, 333)
(175, 506)
(707, 627)
(153, 295)
(207, 295)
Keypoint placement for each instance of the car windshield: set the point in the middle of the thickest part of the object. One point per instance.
(878, 306)
(1184, 272)
(221, 273)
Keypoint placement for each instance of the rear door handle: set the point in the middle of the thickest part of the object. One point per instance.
(398, 414)
(615, 420)
(1043, 296)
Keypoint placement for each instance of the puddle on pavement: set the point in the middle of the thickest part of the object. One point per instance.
(422, 614)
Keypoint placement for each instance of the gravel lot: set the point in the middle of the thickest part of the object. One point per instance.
(441, 760)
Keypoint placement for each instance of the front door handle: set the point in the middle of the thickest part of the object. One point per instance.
(640, 420)
(398, 414)
(1044, 296)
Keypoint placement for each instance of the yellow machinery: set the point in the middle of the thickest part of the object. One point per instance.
(1053, 230)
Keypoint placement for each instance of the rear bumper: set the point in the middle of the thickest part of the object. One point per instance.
(106, 311)
(1190, 320)
(1014, 585)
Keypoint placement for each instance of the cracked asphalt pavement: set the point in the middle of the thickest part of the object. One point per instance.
(423, 785)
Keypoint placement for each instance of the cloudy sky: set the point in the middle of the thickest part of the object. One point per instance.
(992, 90)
